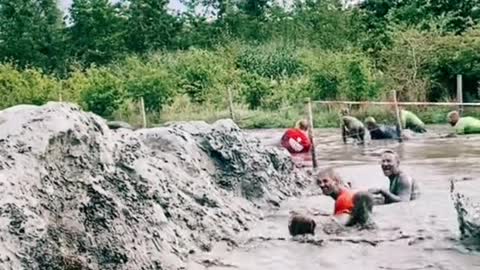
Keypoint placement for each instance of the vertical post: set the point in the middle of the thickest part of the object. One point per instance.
(230, 103)
(144, 115)
(60, 98)
(459, 93)
(310, 133)
(397, 113)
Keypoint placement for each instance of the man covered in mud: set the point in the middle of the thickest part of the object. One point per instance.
(351, 208)
(411, 121)
(463, 125)
(403, 188)
(381, 132)
(352, 127)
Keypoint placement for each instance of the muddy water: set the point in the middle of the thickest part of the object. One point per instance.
(418, 235)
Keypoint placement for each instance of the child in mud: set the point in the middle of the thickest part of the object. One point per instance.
(403, 188)
(296, 140)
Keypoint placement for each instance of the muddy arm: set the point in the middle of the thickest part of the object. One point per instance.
(404, 194)
(344, 133)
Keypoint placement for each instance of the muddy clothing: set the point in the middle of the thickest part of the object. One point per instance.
(383, 132)
(412, 122)
(352, 127)
(395, 187)
(467, 125)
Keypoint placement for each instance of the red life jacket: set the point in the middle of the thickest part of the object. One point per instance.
(296, 141)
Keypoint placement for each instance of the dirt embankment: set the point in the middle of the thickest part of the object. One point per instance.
(77, 195)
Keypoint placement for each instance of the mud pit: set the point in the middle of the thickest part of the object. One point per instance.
(422, 234)
(77, 195)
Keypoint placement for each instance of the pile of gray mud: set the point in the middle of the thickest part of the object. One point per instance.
(467, 207)
(78, 195)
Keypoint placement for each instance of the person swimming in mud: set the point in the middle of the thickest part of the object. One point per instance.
(380, 132)
(463, 125)
(352, 127)
(296, 140)
(403, 188)
(351, 208)
(411, 121)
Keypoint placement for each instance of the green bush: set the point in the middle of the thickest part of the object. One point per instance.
(201, 73)
(255, 90)
(149, 80)
(269, 61)
(29, 86)
(101, 91)
(341, 76)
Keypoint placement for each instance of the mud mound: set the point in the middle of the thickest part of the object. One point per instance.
(78, 195)
(468, 210)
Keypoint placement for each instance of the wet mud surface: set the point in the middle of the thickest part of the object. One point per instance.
(78, 195)
(422, 234)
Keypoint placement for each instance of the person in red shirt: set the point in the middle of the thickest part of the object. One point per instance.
(296, 140)
(351, 208)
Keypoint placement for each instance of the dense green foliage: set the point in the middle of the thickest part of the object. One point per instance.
(106, 56)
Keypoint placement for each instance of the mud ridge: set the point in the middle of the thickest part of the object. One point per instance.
(79, 195)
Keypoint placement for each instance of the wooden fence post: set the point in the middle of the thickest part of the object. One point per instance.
(230, 103)
(397, 113)
(460, 93)
(310, 133)
(144, 115)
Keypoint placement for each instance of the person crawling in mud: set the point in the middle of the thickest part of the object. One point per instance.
(296, 140)
(381, 132)
(463, 125)
(352, 127)
(403, 188)
(351, 208)
(411, 121)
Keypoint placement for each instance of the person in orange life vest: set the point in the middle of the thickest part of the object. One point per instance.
(351, 208)
(296, 140)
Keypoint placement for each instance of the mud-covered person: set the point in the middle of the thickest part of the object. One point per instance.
(351, 127)
(380, 132)
(402, 188)
(351, 207)
(462, 125)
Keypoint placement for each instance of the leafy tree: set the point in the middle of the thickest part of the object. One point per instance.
(31, 33)
(150, 26)
(98, 31)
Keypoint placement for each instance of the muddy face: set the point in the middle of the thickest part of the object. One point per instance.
(327, 185)
(389, 164)
(370, 126)
(453, 119)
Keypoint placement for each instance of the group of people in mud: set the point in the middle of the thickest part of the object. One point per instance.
(354, 207)
(297, 141)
